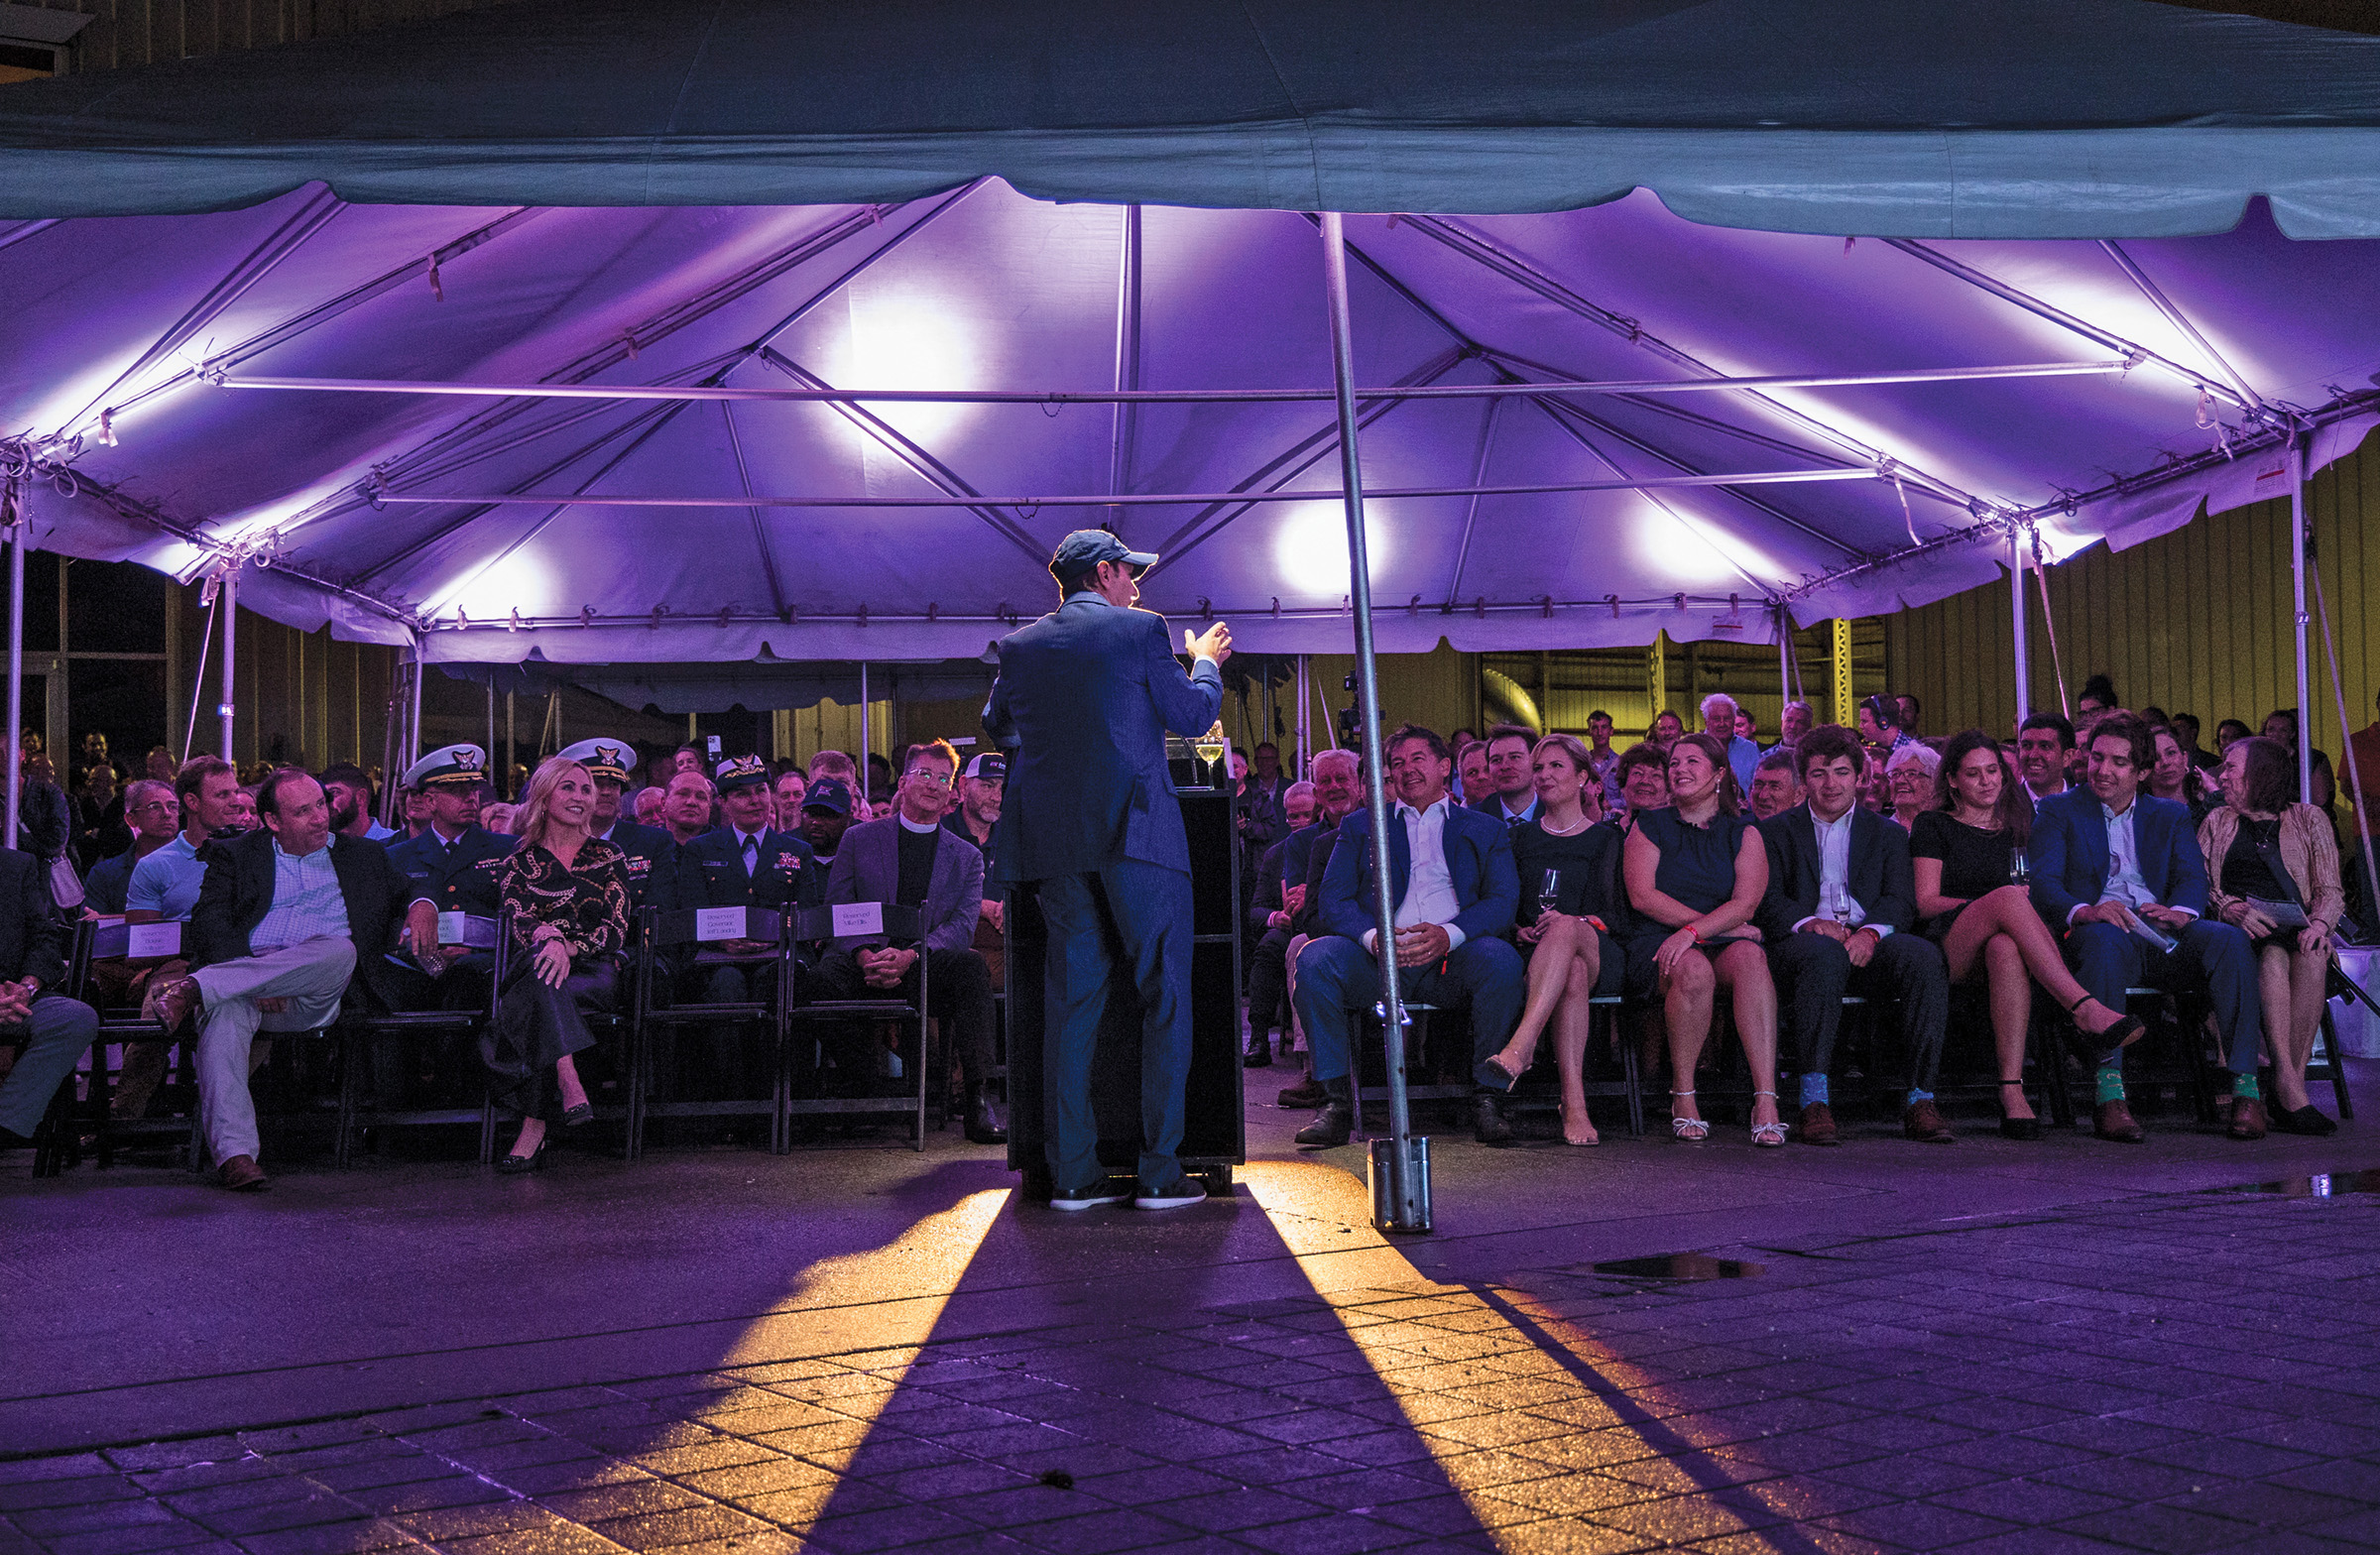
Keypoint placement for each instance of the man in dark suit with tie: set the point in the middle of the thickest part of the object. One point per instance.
(2107, 858)
(1841, 897)
(1083, 700)
(57, 1030)
(651, 855)
(910, 860)
(453, 865)
(1450, 877)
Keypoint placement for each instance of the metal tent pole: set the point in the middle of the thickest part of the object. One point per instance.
(15, 667)
(230, 598)
(1784, 663)
(861, 797)
(490, 747)
(1305, 721)
(2017, 625)
(413, 717)
(2297, 634)
(1400, 1163)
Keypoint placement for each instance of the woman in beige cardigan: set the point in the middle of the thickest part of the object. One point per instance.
(2257, 830)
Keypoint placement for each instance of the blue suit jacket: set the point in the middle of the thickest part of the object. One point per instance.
(651, 863)
(2068, 856)
(1084, 700)
(1478, 858)
(710, 873)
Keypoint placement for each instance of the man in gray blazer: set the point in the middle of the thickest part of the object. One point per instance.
(1084, 700)
(907, 860)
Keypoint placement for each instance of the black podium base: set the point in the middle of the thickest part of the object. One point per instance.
(1214, 1138)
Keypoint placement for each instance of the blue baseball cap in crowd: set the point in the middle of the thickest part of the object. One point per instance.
(990, 765)
(1084, 549)
(828, 794)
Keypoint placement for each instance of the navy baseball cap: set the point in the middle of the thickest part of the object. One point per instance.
(829, 794)
(991, 767)
(1084, 549)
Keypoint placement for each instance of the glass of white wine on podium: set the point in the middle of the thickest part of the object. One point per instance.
(1210, 749)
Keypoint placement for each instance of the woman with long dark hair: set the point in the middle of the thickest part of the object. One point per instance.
(1696, 872)
(1966, 852)
(568, 893)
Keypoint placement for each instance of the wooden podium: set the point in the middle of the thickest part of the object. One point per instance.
(1215, 1137)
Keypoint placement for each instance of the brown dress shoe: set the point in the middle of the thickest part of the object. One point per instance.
(2247, 1117)
(169, 1003)
(1923, 1122)
(240, 1174)
(2113, 1123)
(1818, 1124)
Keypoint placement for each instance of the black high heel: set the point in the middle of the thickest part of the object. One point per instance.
(583, 1112)
(2017, 1127)
(2128, 1029)
(521, 1165)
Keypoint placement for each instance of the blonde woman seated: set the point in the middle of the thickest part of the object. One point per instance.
(1569, 868)
(1909, 782)
(2264, 851)
(568, 893)
(1696, 873)
(1964, 851)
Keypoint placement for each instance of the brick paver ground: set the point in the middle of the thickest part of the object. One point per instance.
(2173, 1375)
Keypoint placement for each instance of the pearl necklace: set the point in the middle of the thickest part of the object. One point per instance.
(1565, 831)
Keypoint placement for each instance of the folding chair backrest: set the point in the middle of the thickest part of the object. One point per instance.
(693, 925)
(899, 922)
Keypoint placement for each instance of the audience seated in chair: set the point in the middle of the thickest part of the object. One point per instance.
(154, 815)
(2266, 855)
(1719, 713)
(1512, 792)
(285, 917)
(910, 860)
(1696, 871)
(1453, 891)
(164, 889)
(689, 808)
(1963, 853)
(647, 854)
(2044, 743)
(452, 866)
(2107, 862)
(1305, 863)
(1840, 903)
(55, 1031)
(1568, 865)
(1909, 783)
(1268, 919)
(1776, 784)
(569, 896)
(1643, 771)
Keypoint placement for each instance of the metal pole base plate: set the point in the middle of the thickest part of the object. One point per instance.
(1399, 1171)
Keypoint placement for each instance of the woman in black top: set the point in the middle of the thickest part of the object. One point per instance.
(1569, 868)
(568, 893)
(1966, 852)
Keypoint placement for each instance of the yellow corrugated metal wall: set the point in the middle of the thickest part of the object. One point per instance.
(2195, 621)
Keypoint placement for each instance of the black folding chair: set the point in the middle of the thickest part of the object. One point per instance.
(118, 1026)
(655, 1023)
(359, 1029)
(813, 1019)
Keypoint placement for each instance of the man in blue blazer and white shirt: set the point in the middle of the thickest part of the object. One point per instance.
(1083, 700)
(2108, 855)
(1451, 875)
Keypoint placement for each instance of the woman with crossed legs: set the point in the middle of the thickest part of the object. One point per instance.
(1696, 873)
(1963, 851)
(1568, 863)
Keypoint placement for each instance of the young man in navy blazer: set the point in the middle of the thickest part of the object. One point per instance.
(2107, 856)
(1084, 700)
(1841, 895)
(1452, 878)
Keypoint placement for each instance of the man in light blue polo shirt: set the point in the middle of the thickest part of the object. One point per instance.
(164, 884)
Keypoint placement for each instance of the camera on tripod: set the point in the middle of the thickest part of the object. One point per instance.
(1350, 720)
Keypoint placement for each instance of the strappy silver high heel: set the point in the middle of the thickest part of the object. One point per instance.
(1768, 1136)
(1692, 1130)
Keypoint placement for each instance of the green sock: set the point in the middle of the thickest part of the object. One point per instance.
(2111, 1084)
(2244, 1085)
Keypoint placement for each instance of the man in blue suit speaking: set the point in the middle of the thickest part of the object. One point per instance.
(2111, 865)
(1451, 875)
(1084, 700)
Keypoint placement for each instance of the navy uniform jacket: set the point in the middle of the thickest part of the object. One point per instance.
(1479, 861)
(1878, 875)
(1084, 700)
(710, 873)
(651, 865)
(459, 878)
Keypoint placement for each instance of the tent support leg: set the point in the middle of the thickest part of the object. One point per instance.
(16, 659)
(2017, 624)
(2296, 629)
(862, 797)
(1400, 1163)
(230, 598)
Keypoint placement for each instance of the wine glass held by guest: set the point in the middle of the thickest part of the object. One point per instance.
(1567, 865)
(1964, 851)
(2265, 851)
(569, 896)
(1696, 873)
